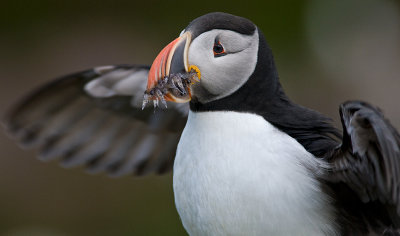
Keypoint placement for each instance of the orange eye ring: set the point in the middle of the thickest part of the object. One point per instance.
(218, 49)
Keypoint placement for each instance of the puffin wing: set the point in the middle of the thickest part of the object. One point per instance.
(95, 118)
(368, 161)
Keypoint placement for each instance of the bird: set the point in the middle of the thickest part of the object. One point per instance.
(246, 160)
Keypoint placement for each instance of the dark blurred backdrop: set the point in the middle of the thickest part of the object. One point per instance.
(326, 52)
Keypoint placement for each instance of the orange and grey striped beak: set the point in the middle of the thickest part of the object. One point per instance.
(173, 59)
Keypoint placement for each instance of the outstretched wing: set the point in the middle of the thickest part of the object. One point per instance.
(368, 161)
(94, 118)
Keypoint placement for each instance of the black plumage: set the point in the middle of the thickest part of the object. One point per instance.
(220, 20)
(364, 174)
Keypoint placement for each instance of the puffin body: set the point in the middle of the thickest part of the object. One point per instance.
(249, 160)
(227, 184)
(244, 176)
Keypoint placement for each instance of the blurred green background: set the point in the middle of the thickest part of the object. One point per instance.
(326, 52)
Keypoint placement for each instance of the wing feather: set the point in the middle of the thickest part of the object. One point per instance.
(94, 118)
(368, 161)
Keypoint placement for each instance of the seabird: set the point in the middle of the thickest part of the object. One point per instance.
(246, 160)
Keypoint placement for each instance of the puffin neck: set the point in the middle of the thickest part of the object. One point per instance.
(263, 95)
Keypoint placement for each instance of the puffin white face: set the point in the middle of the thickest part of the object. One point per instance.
(219, 49)
(226, 60)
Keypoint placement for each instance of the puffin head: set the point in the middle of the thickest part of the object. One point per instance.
(222, 48)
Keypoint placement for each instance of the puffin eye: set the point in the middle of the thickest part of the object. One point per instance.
(218, 49)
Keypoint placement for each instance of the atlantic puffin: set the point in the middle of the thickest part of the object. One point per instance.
(246, 160)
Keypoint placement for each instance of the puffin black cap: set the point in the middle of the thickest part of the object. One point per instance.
(220, 20)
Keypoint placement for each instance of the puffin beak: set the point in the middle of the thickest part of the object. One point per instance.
(171, 62)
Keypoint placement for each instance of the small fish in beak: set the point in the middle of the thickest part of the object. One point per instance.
(175, 87)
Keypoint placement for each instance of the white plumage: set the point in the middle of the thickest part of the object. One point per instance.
(236, 174)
